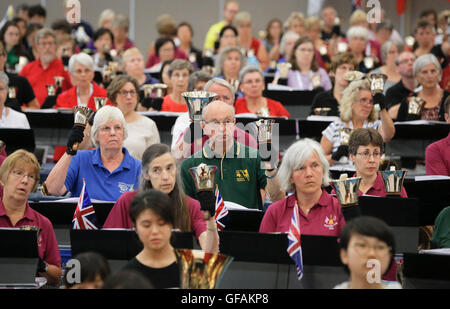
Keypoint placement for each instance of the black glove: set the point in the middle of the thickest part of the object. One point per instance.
(207, 201)
(380, 99)
(91, 118)
(65, 60)
(49, 102)
(76, 136)
(194, 133)
(342, 151)
(265, 151)
(42, 266)
(282, 81)
(157, 103)
(147, 102)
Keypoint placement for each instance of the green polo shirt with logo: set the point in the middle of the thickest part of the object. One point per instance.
(239, 174)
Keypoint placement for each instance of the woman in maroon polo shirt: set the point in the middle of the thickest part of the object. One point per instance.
(19, 176)
(304, 170)
(365, 149)
(159, 171)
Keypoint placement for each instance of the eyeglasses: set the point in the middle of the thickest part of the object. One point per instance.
(363, 248)
(216, 124)
(365, 101)
(406, 61)
(125, 93)
(252, 81)
(108, 129)
(20, 174)
(366, 155)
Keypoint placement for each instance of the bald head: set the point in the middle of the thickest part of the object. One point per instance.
(217, 110)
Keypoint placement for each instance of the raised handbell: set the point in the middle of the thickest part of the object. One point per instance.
(347, 190)
(196, 101)
(81, 118)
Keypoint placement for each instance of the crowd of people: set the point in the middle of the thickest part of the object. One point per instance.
(121, 156)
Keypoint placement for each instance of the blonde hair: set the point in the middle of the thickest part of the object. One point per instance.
(358, 17)
(311, 22)
(105, 15)
(131, 52)
(20, 157)
(349, 97)
(294, 15)
(240, 17)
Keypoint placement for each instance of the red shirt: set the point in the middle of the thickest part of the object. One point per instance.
(276, 109)
(68, 99)
(119, 216)
(47, 244)
(153, 59)
(437, 157)
(170, 105)
(325, 218)
(39, 78)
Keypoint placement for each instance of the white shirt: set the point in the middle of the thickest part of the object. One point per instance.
(14, 119)
(181, 124)
(141, 134)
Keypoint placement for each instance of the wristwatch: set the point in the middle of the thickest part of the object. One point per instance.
(271, 170)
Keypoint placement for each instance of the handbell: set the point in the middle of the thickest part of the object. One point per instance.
(235, 84)
(81, 118)
(196, 101)
(12, 92)
(377, 81)
(203, 176)
(347, 190)
(369, 62)
(393, 180)
(264, 130)
(415, 105)
(159, 90)
(322, 111)
(58, 81)
(200, 269)
(263, 112)
(99, 102)
(344, 135)
(410, 40)
(353, 75)
(316, 80)
(284, 69)
(342, 47)
(51, 90)
(147, 90)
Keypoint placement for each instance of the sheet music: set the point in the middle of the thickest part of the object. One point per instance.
(278, 87)
(431, 177)
(42, 111)
(74, 200)
(419, 122)
(234, 206)
(441, 251)
(322, 118)
(158, 113)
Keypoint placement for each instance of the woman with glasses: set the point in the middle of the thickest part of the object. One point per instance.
(84, 90)
(9, 118)
(356, 111)
(160, 172)
(251, 83)
(108, 170)
(179, 72)
(304, 172)
(365, 243)
(305, 70)
(142, 131)
(19, 175)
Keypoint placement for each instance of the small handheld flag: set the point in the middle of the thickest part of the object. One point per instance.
(84, 217)
(221, 211)
(294, 245)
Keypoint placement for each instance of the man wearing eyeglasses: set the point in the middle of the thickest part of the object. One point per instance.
(42, 71)
(239, 173)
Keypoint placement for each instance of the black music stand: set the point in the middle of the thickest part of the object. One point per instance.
(18, 139)
(18, 258)
(426, 270)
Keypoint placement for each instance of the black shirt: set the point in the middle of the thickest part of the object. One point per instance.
(403, 110)
(396, 94)
(24, 92)
(161, 278)
(325, 99)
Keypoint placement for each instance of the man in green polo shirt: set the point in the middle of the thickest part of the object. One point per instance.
(239, 174)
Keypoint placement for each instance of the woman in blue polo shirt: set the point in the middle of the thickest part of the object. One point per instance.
(109, 170)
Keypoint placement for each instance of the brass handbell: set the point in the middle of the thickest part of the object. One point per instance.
(203, 176)
(263, 112)
(316, 80)
(347, 190)
(393, 180)
(377, 81)
(369, 62)
(147, 90)
(201, 270)
(264, 130)
(58, 81)
(99, 102)
(284, 69)
(51, 90)
(344, 135)
(415, 105)
(235, 84)
(81, 118)
(12, 92)
(159, 90)
(196, 101)
(353, 75)
(342, 47)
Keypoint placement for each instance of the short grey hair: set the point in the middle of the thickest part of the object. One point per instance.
(121, 21)
(219, 81)
(106, 114)
(425, 60)
(357, 32)
(44, 33)
(387, 46)
(105, 14)
(240, 17)
(4, 78)
(180, 64)
(249, 69)
(83, 59)
(286, 37)
(221, 59)
(296, 156)
(198, 76)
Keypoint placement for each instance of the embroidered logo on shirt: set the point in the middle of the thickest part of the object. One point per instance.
(330, 222)
(124, 187)
(242, 175)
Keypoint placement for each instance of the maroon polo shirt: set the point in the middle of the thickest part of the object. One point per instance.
(377, 188)
(325, 218)
(119, 216)
(47, 244)
(39, 78)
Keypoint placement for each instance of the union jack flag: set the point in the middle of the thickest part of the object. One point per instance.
(221, 211)
(84, 217)
(294, 245)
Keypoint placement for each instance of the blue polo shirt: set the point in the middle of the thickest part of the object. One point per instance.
(100, 183)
